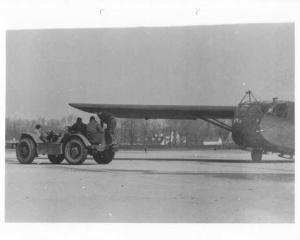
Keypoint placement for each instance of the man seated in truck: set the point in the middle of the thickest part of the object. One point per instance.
(78, 127)
(38, 131)
(94, 131)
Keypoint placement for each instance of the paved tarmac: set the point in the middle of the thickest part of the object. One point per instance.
(208, 186)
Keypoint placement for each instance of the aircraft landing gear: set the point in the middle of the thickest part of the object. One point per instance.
(256, 155)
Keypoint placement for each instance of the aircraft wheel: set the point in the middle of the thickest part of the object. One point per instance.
(56, 159)
(256, 155)
(104, 157)
(26, 151)
(75, 151)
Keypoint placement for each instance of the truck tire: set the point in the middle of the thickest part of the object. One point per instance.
(104, 157)
(26, 150)
(75, 151)
(56, 159)
(256, 155)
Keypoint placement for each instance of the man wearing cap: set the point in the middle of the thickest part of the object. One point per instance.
(111, 125)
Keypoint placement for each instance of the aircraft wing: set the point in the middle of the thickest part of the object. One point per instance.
(159, 111)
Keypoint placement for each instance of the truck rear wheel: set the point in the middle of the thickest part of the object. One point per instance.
(75, 151)
(104, 157)
(26, 151)
(56, 159)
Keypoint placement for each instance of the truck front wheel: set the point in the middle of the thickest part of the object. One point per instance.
(75, 151)
(26, 151)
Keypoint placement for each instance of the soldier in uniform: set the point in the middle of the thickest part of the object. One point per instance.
(94, 132)
(38, 131)
(78, 126)
(111, 125)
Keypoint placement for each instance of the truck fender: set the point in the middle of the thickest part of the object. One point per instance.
(33, 136)
(81, 137)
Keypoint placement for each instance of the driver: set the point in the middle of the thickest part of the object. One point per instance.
(78, 126)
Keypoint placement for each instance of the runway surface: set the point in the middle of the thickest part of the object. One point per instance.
(208, 186)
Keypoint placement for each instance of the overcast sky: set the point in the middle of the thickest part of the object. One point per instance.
(199, 65)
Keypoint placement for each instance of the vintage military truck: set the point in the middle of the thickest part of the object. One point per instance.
(74, 147)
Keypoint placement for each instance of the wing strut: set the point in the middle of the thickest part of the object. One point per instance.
(217, 123)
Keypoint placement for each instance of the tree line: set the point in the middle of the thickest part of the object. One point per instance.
(133, 131)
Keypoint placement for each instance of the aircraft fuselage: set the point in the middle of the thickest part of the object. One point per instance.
(267, 126)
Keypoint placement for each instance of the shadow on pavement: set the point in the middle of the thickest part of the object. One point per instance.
(14, 161)
(282, 177)
(207, 160)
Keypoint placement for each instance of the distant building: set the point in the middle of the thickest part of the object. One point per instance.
(214, 141)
